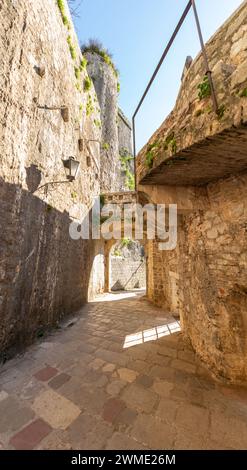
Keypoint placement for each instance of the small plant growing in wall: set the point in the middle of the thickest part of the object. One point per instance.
(95, 47)
(89, 108)
(130, 180)
(173, 145)
(78, 86)
(106, 146)
(77, 73)
(71, 48)
(73, 194)
(102, 200)
(80, 111)
(243, 93)
(204, 89)
(87, 84)
(118, 87)
(150, 155)
(221, 111)
(117, 253)
(126, 242)
(83, 64)
(97, 123)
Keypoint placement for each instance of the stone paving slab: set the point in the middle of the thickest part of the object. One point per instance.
(117, 377)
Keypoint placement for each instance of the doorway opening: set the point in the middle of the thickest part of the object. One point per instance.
(127, 266)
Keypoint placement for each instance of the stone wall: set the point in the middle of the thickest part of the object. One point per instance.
(205, 278)
(127, 273)
(44, 274)
(125, 152)
(117, 163)
(105, 83)
(197, 160)
(183, 150)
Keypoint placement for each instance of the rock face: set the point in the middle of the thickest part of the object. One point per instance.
(204, 279)
(45, 118)
(105, 83)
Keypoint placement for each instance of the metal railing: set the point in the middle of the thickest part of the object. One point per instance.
(191, 4)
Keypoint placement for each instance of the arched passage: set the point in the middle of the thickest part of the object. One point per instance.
(125, 265)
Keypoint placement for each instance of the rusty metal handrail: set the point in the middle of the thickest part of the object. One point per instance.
(208, 72)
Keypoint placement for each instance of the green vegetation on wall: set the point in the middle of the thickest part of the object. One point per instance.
(61, 6)
(95, 47)
(243, 93)
(89, 108)
(126, 242)
(87, 84)
(150, 154)
(221, 111)
(97, 123)
(204, 88)
(126, 159)
(106, 146)
(71, 47)
(83, 64)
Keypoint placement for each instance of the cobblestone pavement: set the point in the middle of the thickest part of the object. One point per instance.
(117, 376)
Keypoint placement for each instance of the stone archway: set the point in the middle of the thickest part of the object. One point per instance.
(127, 266)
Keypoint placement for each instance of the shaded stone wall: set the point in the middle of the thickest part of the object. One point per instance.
(44, 274)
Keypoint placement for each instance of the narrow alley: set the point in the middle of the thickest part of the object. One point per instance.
(119, 375)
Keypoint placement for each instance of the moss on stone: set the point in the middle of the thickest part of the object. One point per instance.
(95, 47)
(71, 47)
(204, 88)
(89, 108)
(221, 111)
(87, 84)
(77, 73)
(106, 146)
(61, 6)
(83, 64)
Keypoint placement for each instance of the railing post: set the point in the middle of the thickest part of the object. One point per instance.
(134, 146)
(204, 53)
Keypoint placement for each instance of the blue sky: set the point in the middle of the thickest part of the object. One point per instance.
(136, 32)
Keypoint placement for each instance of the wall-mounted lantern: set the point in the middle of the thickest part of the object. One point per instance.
(72, 167)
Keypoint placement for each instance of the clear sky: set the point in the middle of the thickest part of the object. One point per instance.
(136, 32)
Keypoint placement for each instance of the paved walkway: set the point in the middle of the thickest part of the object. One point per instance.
(119, 376)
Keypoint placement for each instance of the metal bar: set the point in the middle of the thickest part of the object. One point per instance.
(50, 183)
(186, 11)
(204, 53)
(190, 4)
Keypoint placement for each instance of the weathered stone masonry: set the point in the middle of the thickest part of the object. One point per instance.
(43, 273)
(200, 163)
